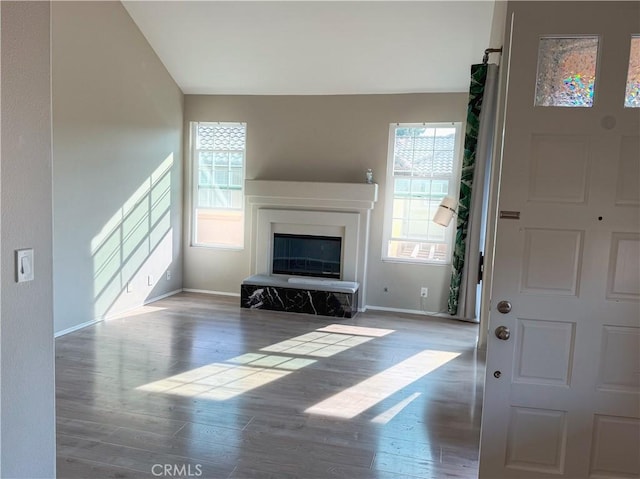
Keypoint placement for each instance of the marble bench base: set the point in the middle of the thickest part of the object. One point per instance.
(276, 294)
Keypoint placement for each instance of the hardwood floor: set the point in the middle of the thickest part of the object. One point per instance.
(193, 386)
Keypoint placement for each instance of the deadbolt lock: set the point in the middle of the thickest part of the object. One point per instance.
(504, 307)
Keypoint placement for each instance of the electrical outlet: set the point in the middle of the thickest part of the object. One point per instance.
(150, 280)
(424, 292)
(168, 275)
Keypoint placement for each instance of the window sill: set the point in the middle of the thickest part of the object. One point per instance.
(218, 247)
(416, 262)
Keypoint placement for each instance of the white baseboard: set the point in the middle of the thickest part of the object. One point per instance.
(433, 314)
(162, 296)
(207, 291)
(76, 327)
(144, 303)
(445, 315)
(110, 316)
(397, 310)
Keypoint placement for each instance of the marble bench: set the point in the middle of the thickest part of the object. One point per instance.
(324, 297)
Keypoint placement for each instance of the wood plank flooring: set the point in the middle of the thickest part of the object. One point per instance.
(193, 386)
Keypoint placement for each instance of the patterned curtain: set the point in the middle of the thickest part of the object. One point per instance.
(476, 93)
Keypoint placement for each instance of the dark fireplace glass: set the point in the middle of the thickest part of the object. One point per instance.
(307, 255)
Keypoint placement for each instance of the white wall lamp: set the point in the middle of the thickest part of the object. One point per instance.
(446, 210)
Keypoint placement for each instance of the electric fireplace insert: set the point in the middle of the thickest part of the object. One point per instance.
(307, 255)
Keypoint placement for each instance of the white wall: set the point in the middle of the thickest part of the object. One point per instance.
(323, 138)
(117, 166)
(27, 410)
(498, 25)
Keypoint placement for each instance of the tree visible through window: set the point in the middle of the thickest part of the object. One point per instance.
(218, 151)
(423, 169)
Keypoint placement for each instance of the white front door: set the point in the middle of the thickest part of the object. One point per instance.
(562, 393)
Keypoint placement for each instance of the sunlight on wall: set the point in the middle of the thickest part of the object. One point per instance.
(221, 381)
(357, 399)
(138, 234)
(155, 263)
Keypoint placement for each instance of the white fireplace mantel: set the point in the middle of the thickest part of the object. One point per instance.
(343, 195)
(342, 209)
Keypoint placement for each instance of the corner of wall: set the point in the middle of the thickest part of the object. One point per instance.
(117, 169)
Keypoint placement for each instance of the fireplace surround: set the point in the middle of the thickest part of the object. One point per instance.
(339, 210)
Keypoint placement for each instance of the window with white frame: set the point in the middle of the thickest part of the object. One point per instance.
(218, 162)
(423, 167)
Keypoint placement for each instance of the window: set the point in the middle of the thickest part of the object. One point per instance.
(423, 168)
(632, 95)
(218, 158)
(566, 71)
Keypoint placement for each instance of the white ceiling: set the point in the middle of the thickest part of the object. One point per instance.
(323, 47)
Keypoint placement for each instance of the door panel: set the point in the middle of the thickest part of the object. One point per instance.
(562, 393)
(537, 440)
(556, 339)
(615, 447)
(551, 261)
(628, 188)
(560, 167)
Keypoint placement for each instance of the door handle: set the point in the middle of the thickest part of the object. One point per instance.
(503, 333)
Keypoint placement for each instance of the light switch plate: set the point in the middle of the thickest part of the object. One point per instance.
(24, 265)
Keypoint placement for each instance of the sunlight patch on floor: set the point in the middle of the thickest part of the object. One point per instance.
(318, 344)
(393, 411)
(357, 399)
(221, 381)
(281, 362)
(356, 330)
(137, 312)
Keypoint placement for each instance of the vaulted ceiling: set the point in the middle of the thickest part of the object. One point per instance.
(316, 47)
